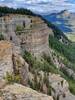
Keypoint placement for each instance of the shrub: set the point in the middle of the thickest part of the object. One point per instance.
(11, 78)
(1, 36)
(19, 29)
(36, 64)
(68, 51)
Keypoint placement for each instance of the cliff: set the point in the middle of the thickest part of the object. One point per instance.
(6, 64)
(52, 73)
(12, 63)
(18, 71)
(31, 33)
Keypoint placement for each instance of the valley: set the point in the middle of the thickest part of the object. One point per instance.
(65, 21)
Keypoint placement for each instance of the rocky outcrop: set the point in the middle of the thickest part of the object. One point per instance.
(12, 63)
(36, 42)
(6, 64)
(52, 84)
(20, 67)
(19, 92)
(34, 34)
(70, 72)
(34, 39)
(60, 86)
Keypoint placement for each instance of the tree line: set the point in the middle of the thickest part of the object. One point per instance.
(7, 10)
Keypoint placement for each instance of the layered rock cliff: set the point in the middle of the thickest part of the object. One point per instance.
(13, 68)
(17, 71)
(31, 33)
(19, 67)
(11, 63)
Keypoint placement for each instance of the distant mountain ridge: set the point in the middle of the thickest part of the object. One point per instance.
(64, 20)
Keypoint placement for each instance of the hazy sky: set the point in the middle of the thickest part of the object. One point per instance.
(41, 6)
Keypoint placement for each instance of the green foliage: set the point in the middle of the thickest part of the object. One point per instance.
(7, 10)
(31, 84)
(36, 64)
(19, 29)
(11, 78)
(72, 86)
(49, 89)
(47, 66)
(67, 51)
(1, 37)
(70, 81)
(1, 93)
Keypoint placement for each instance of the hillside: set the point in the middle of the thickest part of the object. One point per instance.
(35, 58)
(65, 21)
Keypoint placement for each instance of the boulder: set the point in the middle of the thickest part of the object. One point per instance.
(19, 92)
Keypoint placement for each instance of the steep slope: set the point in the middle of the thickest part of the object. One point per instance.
(52, 72)
(38, 77)
(11, 63)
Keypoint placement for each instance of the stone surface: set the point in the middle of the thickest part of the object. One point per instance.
(19, 92)
(20, 66)
(60, 86)
(11, 61)
(2, 83)
(6, 64)
(68, 96)
(34, 36)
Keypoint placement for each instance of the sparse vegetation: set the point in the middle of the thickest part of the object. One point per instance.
(44, 63)
(19, 29)
(66, 51)
(1, 94)
(36, 64)
(11, 78)
(1, 37)
(7, 10)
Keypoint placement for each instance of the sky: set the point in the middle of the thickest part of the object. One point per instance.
(41, 6)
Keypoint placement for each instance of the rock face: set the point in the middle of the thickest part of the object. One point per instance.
(60, 86)
(34, 34)
(6, 64)
(36, 42)
(20, 67)
(19, 92)
(11, 62)
(52, 84)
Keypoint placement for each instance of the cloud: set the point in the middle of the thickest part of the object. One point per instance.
(41, 6)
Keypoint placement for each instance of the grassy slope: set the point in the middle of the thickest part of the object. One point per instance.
(68, 52)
